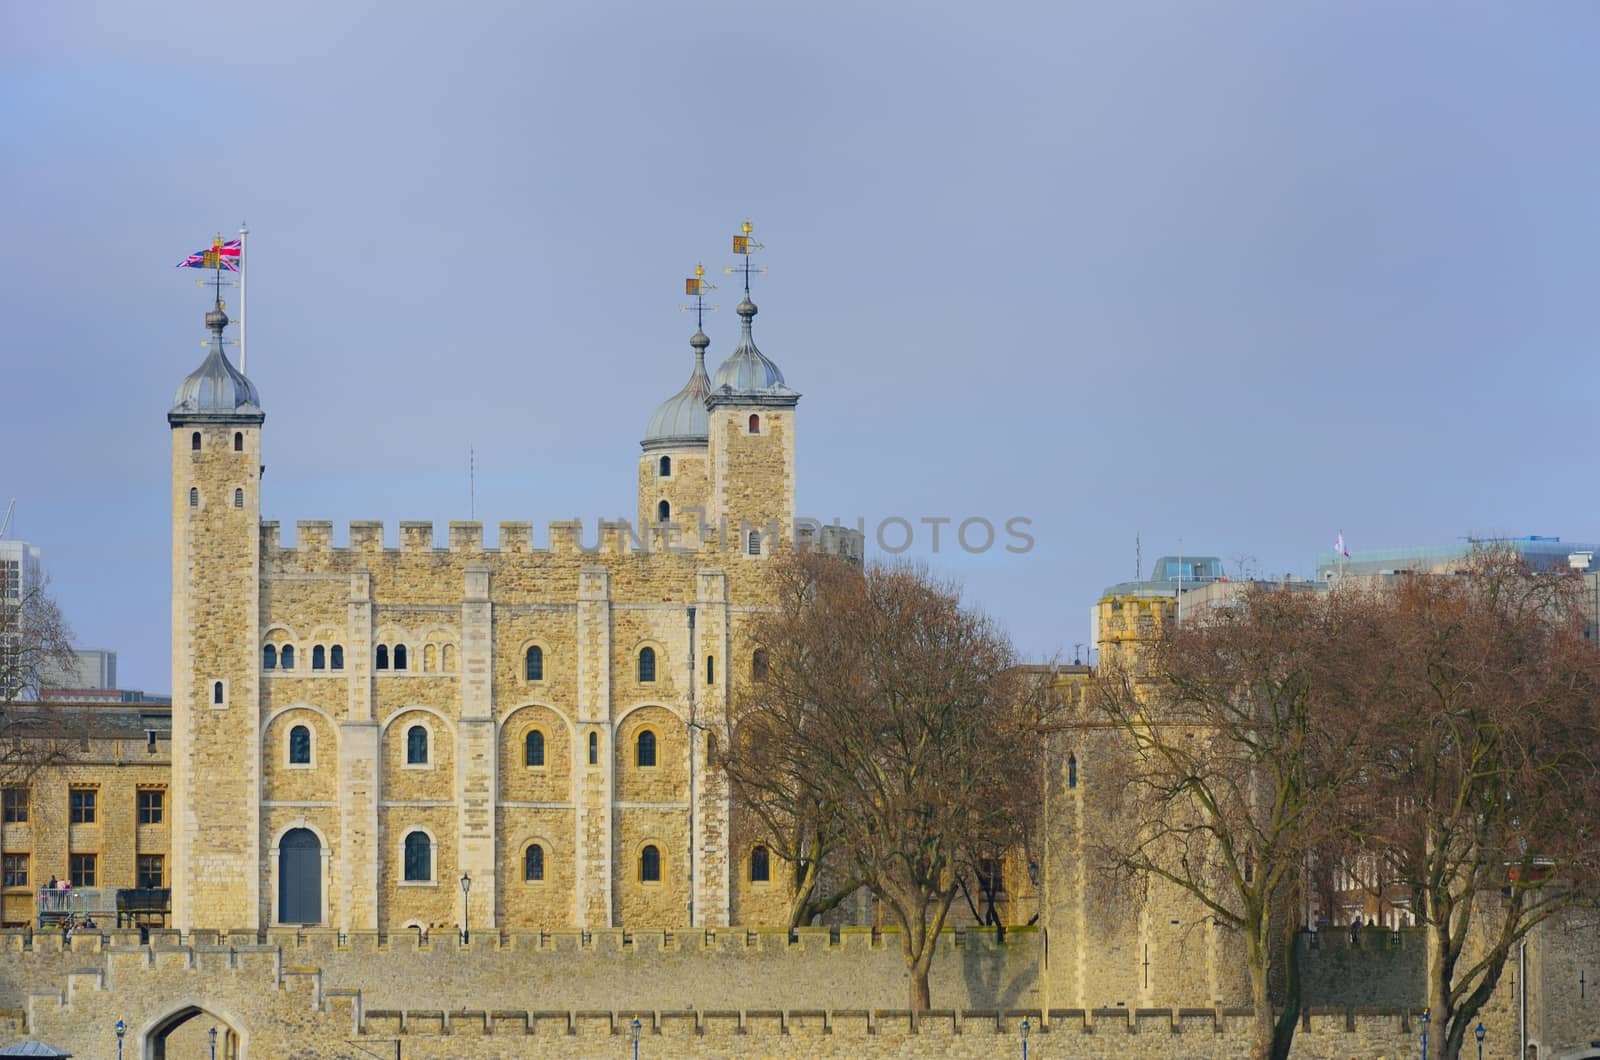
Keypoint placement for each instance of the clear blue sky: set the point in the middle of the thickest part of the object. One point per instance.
(1239, 274)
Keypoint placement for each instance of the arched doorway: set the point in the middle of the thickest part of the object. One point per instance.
(300, 877)
(187, 1033)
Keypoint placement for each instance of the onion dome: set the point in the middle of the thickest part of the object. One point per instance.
(747, 368)
(216, 388)
(682, 418)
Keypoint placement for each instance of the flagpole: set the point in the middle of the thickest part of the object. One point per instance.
(243, 232)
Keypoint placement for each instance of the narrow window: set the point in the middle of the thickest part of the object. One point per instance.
(419, 858)
(269, 657)
(383, 657)
(81, 870)
(711, 670)
(647, 665)
(650, 865)
(194, 441)
(399, 656)
(337, 656)
(238, 498)
(152, 806)
(758, 664)
(663, 512)
(16, 870)
(194, 497)
(430, 658)
(238, 442)
(755, 424)
(533, 864)
(533, 748)
(755, 543)
(1072, 771)
(533, 664)
(216, 693)
(416, 746)
(82, 804)
(711, 749)
(152, 871)
(448, 657)
(594, 749)
(319, 658)
(286, 657)
(645, 753)
(300, 746)
(760, 865)
(150, 741)
(666, 466)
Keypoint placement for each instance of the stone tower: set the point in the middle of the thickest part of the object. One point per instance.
(674, 477)
(751, 431)
(216, 507)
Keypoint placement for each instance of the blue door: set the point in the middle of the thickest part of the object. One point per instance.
(300, 877)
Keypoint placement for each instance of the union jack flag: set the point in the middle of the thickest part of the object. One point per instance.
(219, 253)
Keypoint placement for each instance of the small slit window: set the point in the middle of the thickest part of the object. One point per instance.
(594, 749)
(419, 858)
(194, 442)
(650, 864)
(416, 746)
(755, 424)
(711, 670)
(760, 865)
(399, 656)
(647, 665)
(533, 664)
(755, 543)
(665, 467)
(286, 657)
(645, 751)
(238, 442)
(533, 864)
(663, 512)
(336, 657)
(300, 746)
(1072, 771)
(319, 658)
(269, 657)
(533, 748)
(216, 693)
(238, 498)
(383, 657)
(758, 664)
(194, 497)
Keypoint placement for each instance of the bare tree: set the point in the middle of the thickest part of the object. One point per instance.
(899, 720)
(35, 640)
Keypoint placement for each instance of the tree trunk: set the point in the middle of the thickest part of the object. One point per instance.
(921, 995)
(1289, 1016)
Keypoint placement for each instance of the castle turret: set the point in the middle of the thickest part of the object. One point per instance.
(216, 515)
(674, 478)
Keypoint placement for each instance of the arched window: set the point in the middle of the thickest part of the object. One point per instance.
(533, 748)
(269, 657)
(430, 658)
(194, 497)
(238, 498)
(760, 865)
(448, 657)
(666, 466)
(286, 657)
(533, 664)
(194, 441)
(755, 543)
(711, 670)
(419, 858)
(594, 749)
(711, 749)
(755, 424)
(647, 665)
(645, 752)
(758, 664)
(300, 746)
(216, 693)
(383, 657)
(399, 656)
(238, 442)
(319, 658)
(416, 746)
(1072, 771)
(336, 657)
(533, 863)
(663, 512)
(650, 865)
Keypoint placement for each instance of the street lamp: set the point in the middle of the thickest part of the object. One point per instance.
(1024, 1029)
(635, 1027)
(122, 1028)
(213, 1043)
(466, 909)
(1425, 1018)
(1478, 1032)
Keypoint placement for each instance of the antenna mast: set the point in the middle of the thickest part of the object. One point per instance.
(7, 521)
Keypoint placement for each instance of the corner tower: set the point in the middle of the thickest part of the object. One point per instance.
(674, 476)
(216, 540)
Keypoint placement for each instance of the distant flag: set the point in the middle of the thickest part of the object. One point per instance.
(219, 253)
(1338, 546)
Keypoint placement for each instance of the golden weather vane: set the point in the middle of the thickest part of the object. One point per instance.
(696, 287)
(744, 245)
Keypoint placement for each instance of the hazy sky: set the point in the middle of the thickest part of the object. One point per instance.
(1236, 274)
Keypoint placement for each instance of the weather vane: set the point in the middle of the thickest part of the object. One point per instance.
(697, 286)
(743, 245)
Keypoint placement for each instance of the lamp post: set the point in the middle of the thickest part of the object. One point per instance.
(122, 1029)
(1425, 1018)
(1478, 1032)
(1023, 1030)
(635, 1027)
(213, 1036)
(466, 909)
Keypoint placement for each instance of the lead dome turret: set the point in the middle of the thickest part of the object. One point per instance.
(216, 388)
(681, 419)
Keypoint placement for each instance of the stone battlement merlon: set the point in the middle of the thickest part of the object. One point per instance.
(608, 536)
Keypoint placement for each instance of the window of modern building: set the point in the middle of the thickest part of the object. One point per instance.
(194, 442)
(238, 498)
(711, 670)
(419, 858)
(399, 656)
(650, 865)
(533, 664)
(81, 870)
(286, 657)
(533, 863)
(416, 746)
(1072, 771)
(594, 749)
(238, 442)
(663, 512)
(152, 805)
(194, 497)
(336, 657)
(645, 750)
(14, 801)
(755, 543)
(758, 664)
(533, 748)
(269, 657)
(760, 865)
(383, 657)
(16, 870)
(664, 466)
(300, 746)
(755, 424)
(82, 802)
(647, 665)
(152, 871)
